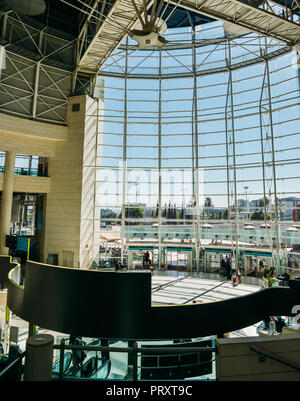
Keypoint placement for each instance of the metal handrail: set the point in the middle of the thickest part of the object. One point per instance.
(139, 349)
(134, 349)
(274, 357)
(33, 172)
(12, 364)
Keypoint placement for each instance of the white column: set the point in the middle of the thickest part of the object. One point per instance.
(7, 199)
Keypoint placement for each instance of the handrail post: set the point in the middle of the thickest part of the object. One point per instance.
(104, 354)
(13, 370)
(31, 330)
(135, 361)
(39, 358)
(130, 360)
(61, 359)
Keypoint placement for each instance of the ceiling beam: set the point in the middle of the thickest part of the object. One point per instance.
(122, 17)
(246, 15)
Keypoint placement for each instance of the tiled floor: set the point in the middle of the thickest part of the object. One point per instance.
(170, 290)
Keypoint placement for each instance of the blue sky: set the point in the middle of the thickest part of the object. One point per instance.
(176, 129)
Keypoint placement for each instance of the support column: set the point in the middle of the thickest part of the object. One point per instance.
(124, 164)
(69, 210)
(36, 89)
(132, 361)
(104, 354)
(7, 200)
(159, 166)
(268, 148)
(231, 163)
(196, 190)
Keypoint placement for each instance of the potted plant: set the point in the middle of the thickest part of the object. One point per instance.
(269, 278)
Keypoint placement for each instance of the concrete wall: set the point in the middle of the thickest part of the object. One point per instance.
(236, 362)
(30, 137)
(88, 183)
(69, 207)
(34, 185)
(71, 152)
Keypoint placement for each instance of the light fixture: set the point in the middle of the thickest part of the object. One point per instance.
(149, 27)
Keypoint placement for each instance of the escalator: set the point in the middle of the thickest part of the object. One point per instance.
(104, 370)
(89, 369)
(67, 363)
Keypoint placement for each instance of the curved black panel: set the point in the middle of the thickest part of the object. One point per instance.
(80, 301)
(118, 305)
(5, 267)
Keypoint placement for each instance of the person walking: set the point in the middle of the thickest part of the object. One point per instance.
(147, 257)
(228, 269)
(239, 275)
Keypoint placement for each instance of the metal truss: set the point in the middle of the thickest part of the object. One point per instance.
(36, 82)
(199, 71)
(203, 57)
(104, 31)
(109, 22)
(34, 90)
(258, 17)
(38, 44)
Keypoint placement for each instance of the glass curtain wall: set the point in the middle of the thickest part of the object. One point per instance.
(198, 146)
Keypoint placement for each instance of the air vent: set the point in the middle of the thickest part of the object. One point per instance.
(76, 107)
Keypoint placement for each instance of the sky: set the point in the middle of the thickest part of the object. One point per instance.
(250, 92)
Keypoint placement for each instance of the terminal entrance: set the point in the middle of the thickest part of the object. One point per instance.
(179, 259)
(255, 263)
(171, 258)
(141, 257)
(216, 259)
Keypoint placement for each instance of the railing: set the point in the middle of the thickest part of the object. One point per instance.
(134, 351)
(257, 236)
(265, 354)
(8, 369)
(33, 172)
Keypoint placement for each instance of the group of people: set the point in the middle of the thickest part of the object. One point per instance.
(147, 263)
(226, 266)
(236, 275)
